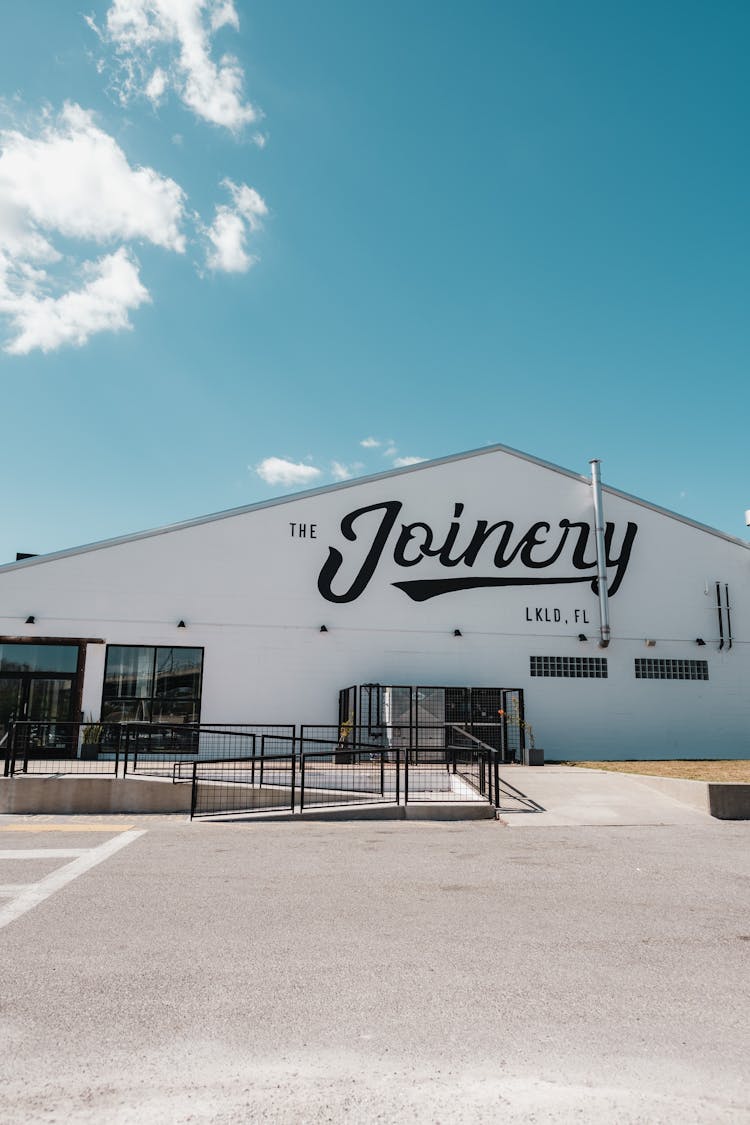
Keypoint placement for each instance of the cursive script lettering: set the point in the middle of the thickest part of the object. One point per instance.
(534, 549)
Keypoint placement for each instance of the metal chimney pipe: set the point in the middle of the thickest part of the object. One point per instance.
(601, 554)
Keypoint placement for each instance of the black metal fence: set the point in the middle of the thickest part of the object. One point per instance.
(62, 747)
(147, 749)
(324, 769)
(250, 768)
(161, 750)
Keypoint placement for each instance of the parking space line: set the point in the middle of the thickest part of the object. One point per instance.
(36, 893)
(42, 853)
(65, 827)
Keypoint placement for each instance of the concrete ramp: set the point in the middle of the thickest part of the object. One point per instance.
(569, 796)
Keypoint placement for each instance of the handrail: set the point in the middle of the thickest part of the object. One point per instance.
(473, 737)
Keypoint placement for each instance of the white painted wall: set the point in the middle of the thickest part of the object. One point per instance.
(248, 591)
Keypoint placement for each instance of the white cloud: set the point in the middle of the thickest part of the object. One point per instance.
(178, 33)
(156, 86)
(101, 304)
(391, 451)
(75, 179)
(228, 232)
(227, 236)
(402, 462)
(70, 179)
(370, 443)
(277, 470)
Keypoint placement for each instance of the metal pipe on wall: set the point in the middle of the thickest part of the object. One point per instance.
(601, 554)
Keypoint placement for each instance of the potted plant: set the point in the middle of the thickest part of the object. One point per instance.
(533, 755)
(91, 739)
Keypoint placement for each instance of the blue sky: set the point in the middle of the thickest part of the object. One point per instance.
(257, 233)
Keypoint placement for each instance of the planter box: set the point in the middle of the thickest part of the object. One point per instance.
(533, 757)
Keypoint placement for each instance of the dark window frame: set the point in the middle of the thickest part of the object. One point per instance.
(153, 698)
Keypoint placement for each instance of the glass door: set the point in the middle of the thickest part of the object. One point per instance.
(38, 686)
(11, 689)
(49, 701)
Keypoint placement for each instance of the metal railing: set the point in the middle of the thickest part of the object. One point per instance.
(247, 768)
(62, 747)
(331, 771)
(147, 749)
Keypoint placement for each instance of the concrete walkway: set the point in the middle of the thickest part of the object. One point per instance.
(570, 796)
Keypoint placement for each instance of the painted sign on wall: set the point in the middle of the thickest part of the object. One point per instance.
(491, 547)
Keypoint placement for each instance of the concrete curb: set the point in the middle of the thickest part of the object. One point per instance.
(724, 800)
(87, 795)
(79, 795)
(427, 811)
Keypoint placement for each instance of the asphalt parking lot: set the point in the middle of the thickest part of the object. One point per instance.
(373, 971)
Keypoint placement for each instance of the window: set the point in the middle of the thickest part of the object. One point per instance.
(577, 667)
(149, 684)
(646, 669)
(16, 657)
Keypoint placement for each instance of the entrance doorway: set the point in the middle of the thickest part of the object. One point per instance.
(38, 683)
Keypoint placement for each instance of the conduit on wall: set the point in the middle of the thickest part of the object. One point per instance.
(601, 554)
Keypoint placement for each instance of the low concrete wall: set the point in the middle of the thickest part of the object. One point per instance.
(726, 800)
(71, 795)
(729, 800)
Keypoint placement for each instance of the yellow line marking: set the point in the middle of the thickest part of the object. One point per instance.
(65, 827)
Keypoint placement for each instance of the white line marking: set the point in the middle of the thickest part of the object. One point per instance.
(42, 853)
(15, 888)
(37, 893)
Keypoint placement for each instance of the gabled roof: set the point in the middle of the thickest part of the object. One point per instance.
(355, 482)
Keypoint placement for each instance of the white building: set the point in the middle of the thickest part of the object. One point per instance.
(479, 569)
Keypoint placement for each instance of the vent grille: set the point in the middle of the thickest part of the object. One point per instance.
(646, 669)
(576, 667)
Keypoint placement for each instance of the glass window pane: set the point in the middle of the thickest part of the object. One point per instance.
(178, 673)
(38, 658)
(126, 711)
(129, 671)
(10, 701)
(167, 711)
(50, 700)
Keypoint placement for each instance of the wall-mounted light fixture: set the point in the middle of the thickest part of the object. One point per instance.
(582, 637)
(700, 641)
(181, 624)
(30, 620)
(457, 633)
(323, 628)
(649, 643)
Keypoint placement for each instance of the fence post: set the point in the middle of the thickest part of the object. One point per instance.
(262, 754)
(292, 775)
(9, 744)
(406, 776)
(497, 782)
(252, 767)
(194, 791)
(127, 750)
(382, 772)
(301, 780)
(398, 776)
